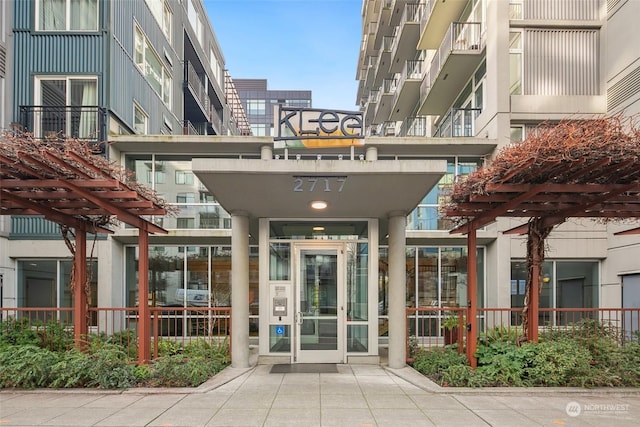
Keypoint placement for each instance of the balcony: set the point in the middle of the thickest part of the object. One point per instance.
(407, 35)
(451, 67)
(407, 95)
(371, 73)
(385, 99)
(414, 126)
(384, 23)
(87, 122)
(197, 105)
(384, 60)
(387, 128)
(435, 20)
(459, 122)
(371, 106)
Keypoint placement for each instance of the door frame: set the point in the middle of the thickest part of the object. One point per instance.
(320, 356)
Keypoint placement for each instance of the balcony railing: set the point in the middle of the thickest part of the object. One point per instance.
(414, 126)
(458, 122)
(87, 122)
(412, 70)
(386, 129)
(193, 81)
(462, 36)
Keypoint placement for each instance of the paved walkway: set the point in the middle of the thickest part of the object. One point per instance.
(358, 395)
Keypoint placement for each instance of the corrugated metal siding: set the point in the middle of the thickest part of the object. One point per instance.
(570, 10)
(3, 61)
(624, 89)
(51, 53)
(127, 82)
(561, 62)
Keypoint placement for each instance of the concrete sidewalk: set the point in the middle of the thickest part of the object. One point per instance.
(357, 395)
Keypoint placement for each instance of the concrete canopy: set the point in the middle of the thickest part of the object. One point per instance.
(351, 189)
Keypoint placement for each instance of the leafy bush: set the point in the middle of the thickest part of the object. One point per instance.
(434, 362)
(559, 363)
(26, 366)
(17, 332)
(106, 361)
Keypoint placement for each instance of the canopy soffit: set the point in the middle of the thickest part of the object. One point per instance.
(351, 189)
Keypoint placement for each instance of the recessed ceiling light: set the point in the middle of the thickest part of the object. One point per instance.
(318, 228)
(319, 204)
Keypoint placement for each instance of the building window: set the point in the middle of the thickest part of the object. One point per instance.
(565, 284)
(517, 133)
(427, 215)
(151, 67)
(259, 129)
(184, 177)
(436, 277)
(47, 283)
(256, 107)
(163, 15)
(67, 15)
(140, 120)
(68, 106)
(515, 63)
(185, 198)
(195, 21)
(186, 223)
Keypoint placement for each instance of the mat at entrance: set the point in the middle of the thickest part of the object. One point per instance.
(305, 368)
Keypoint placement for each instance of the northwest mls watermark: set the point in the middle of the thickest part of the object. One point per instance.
(574, 409)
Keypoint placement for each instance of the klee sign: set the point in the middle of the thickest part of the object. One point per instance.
(314, 128)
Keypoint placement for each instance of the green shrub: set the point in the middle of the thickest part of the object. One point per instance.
(559, 363)
(26, 366)
(73, 369)
(17, 332)
(55, 336)
(168, 347)
(110, 368)
(176, 371)
(433, 362)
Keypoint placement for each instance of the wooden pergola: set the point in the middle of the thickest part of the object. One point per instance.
(575, 169)
(68, 184)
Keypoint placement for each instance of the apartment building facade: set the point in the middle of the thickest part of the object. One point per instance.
(494, 70)
(442, 86)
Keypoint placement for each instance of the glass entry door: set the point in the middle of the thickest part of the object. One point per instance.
(320, 308)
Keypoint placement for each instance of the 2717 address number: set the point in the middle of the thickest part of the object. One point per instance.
(310, 184)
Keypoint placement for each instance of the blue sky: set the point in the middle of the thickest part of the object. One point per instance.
(294, 44)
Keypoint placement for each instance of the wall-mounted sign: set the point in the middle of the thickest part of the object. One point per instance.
(316, 128)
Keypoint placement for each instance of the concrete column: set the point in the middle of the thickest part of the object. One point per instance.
(266, 152)
(397, 291)
(239, 290)
(371, 154)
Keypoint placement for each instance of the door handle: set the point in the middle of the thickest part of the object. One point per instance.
(299, 318)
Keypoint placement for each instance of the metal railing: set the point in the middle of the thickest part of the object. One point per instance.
(462, 36)
(458, 122)
(425, 325)
(87, 122)
(120, 325)
(414, 126)
(193, 80)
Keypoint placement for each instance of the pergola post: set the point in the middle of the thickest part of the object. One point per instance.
(472, 298)
(144, 314)
(534, 292)
(80, 329)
